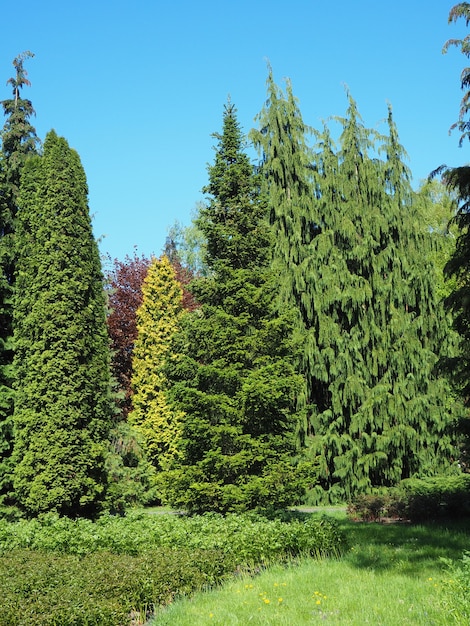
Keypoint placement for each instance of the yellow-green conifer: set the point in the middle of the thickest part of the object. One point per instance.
(157, 321)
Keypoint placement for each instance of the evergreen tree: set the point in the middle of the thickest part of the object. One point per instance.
(62, 407)
(457, 180)
(19, 141)
(233, 379)
(288, 184)
(157, 320)
(357, 275)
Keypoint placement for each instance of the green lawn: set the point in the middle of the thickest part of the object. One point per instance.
(391, 575)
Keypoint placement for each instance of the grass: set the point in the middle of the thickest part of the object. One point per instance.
(391, 575)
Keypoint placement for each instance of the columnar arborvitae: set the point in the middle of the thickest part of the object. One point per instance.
(234, 379)
(158, 319)
(19, 141)
(62, 407)
(356, 270)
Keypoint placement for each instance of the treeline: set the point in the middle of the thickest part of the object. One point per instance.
(304, 357)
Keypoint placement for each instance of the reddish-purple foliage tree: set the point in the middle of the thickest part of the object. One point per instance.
(125, 296)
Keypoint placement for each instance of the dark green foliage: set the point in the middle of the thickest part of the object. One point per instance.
(234, 380)
(101, 589)
(19, 141)
(356, 268)
(436, 498)
(63, 409)
(457, 180)
(416, 500)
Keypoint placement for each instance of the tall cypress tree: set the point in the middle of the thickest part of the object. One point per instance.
(234, 379)
(62, 406)
(373, 330)
(19, 141)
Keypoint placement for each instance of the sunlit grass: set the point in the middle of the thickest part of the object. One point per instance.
(391, 575)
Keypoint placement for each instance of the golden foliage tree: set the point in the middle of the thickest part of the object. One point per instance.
(157, 320)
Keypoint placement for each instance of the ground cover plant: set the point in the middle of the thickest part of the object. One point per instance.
(391, 575)
(117, 570)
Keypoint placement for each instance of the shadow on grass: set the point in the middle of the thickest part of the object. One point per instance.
(404, 548)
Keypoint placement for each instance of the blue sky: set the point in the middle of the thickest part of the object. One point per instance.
(138, 87)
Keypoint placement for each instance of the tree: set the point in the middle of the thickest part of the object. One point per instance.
(233, 378)
(352, 257)
(63, 407)
(124, 298)
(287, 180)
(19, 141)
(457, 180)
(158, 319)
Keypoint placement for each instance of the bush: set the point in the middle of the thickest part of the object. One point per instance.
(436, 498)
(116, 570)
(417, 500)
(101, 589)
(248, 538)
(368, 508)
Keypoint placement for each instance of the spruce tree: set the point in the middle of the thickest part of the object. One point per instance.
(63, 410)
(157, 320)
(19, 141)
(354, 268)
(233, 379)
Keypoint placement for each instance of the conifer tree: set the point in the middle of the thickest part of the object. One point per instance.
(19, 141)
(288, 185)
(63, 410)
(157, 320)
(234, 379)
(357, 276)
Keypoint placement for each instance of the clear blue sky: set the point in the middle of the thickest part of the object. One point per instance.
(137, 87)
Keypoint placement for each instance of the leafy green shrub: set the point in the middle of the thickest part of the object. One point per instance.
(417, 500)
(435, 498)
(101, 589)
(248, 538)
(116, 569)
(457, 590)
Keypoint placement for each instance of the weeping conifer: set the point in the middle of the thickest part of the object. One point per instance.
(287, 183)
(373, 329)
(63, 410)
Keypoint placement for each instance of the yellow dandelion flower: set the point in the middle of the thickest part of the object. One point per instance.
(266, 600)
(318, 602)
(211, 615)
(279, 600)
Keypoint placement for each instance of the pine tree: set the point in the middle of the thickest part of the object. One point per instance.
(233, 379)
(354, 268)
(62, 408)
(157, 320)
(19, 141)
